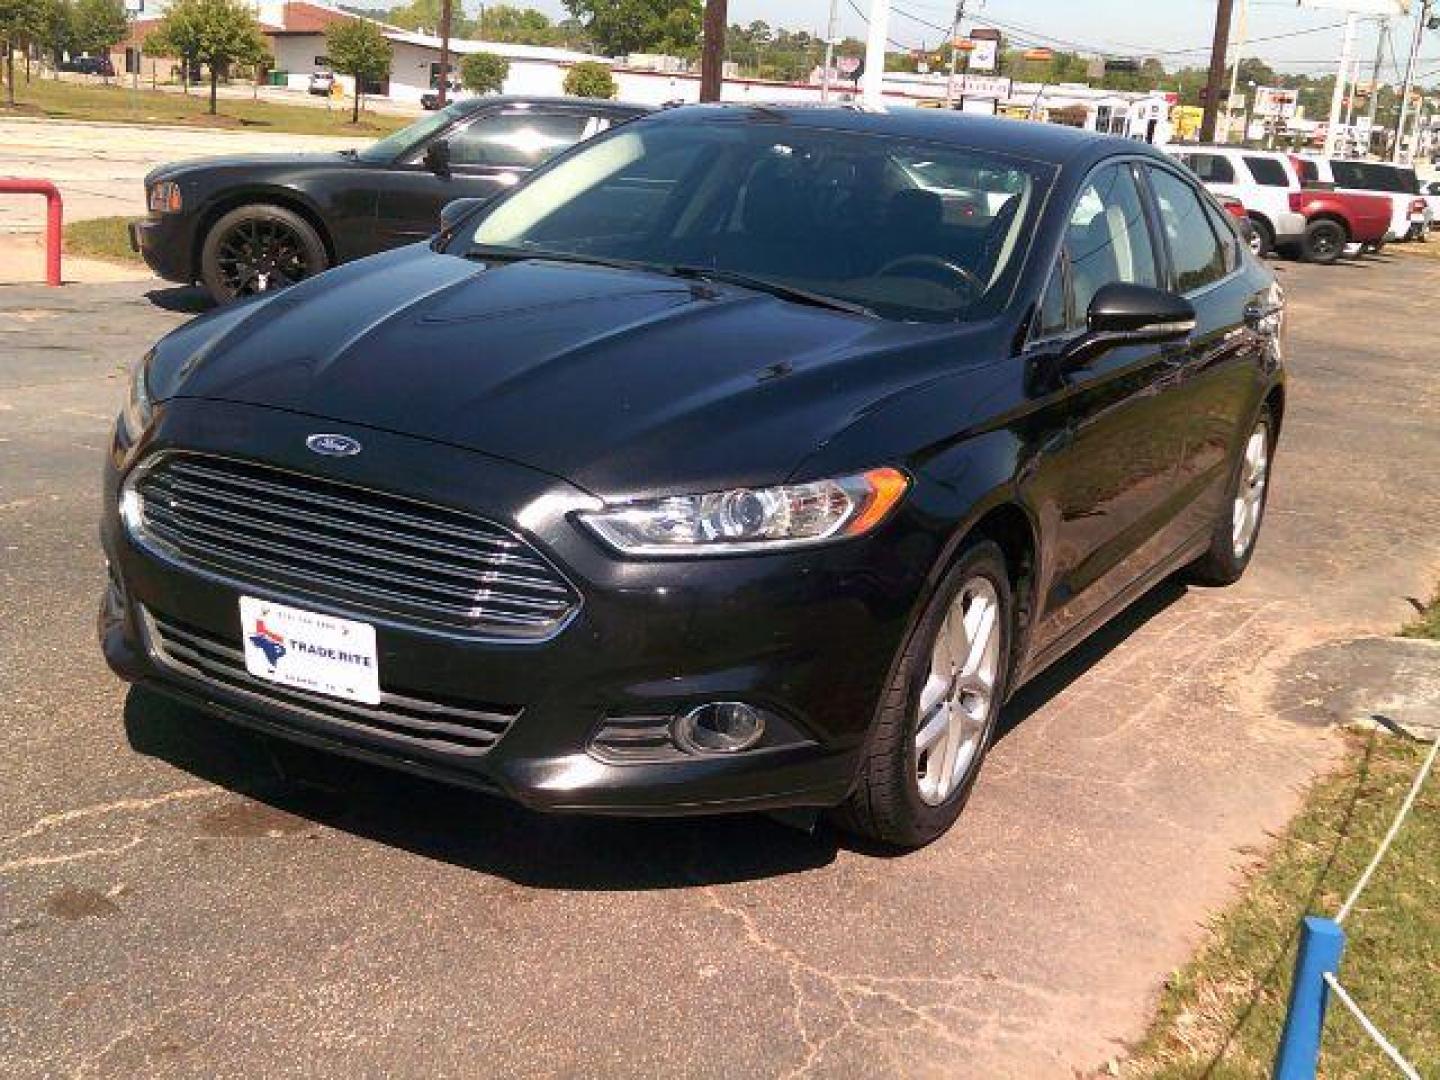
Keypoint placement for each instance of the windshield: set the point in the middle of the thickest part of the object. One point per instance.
(389, 148)
(909, 230)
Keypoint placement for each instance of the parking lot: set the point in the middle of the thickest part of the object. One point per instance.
(170, 905)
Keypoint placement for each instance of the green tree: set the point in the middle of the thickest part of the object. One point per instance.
(99, 25)
(216, 33)
(590, 79)
(359, 48)
(624, 26)
(523, 26)
(484, 73)
(58, 34)
(21, 21)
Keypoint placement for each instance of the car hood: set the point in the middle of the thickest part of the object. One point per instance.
(251, 165)
(616, 380)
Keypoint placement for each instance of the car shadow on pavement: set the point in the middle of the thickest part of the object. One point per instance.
(551, 851)
(182, 299)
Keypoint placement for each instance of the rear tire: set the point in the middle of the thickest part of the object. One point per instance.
(1231, 546)
(1264, 241)
(1324, 241)
(259, 248)
(913, 783)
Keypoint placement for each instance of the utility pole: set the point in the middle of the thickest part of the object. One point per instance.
(1215, 80)
(1380, 36)
(1337, 99)
(829, 52)
(712, 50)
(954, 49)
(1424, 18)
(443, 90)
(872, 95)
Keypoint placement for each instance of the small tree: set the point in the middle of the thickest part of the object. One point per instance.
(216, 33)
(484, 73)
(590, 79)
(359, 48)
(20, 21)
(100, 25)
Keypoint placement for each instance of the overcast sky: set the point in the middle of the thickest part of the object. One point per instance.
(1298, 39)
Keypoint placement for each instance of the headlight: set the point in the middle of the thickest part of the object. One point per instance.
(165, 197)
(750, 519)
(135, 416)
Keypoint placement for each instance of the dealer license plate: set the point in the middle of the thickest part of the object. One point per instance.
(310, 651)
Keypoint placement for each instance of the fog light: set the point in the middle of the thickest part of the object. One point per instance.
(723, 727)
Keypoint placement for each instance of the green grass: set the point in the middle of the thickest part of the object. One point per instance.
(95, 101)
(1220, 1016)
(100, 238)
(1427, 624)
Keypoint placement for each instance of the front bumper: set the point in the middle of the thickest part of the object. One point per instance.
(809, 637)
(166, 243)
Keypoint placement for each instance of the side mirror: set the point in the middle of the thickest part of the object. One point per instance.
(1121, 314)
(437, 157)
(457, 210)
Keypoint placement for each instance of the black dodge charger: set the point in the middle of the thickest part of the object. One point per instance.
(251, 223)
(741, 458)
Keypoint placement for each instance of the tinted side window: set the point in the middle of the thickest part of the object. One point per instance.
(1224, 226)
(1212, 168)
(1197, 255)
(1108, 237)
(515, 140)
(1309, 174)
(1366, 175)
(1267, 171)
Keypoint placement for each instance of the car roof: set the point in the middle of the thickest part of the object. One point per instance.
(1053, 143)
(516, 101)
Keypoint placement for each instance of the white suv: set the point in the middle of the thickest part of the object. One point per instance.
(1261, 179)
(1410, 211)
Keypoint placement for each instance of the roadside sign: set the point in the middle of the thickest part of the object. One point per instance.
(134, 7)
(983, 55)
(1275, 101)
(983, 86)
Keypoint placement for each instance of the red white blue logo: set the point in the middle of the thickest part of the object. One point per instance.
(268, 642)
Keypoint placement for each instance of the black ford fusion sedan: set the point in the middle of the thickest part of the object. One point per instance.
(251, 223)
(742, 458)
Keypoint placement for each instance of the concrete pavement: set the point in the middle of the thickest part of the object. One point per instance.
(99, 167)
(169, 906)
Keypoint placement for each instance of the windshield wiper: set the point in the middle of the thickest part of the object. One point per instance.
(779, 289)
(501, 253)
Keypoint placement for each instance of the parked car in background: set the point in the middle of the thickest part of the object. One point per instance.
(430, 100)
(245, 225)
(1336, 219)
(322, 82)
(1430, 191)
(1236, 209)
(710, 469)
(1410, 214)
(1260, 179)
(89, 65)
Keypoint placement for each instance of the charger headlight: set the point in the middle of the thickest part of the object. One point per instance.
(139, 406)
(750, 519)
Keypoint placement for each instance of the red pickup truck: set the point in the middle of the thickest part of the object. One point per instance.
(1334, 219)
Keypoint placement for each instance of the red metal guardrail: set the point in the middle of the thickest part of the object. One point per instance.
(53, 214)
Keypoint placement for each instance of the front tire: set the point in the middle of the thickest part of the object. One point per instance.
(938, 714)
(1237, 527)
(1263, 240)
(259, 248)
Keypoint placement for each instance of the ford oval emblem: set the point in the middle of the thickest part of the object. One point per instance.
(332, 445)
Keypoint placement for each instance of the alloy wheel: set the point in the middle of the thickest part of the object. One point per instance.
(258, 255)
(959, 692)
(1250, 495)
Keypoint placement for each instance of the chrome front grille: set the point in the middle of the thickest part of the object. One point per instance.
(360, 548)
(469, 728)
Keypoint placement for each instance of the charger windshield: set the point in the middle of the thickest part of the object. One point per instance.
(904, 229)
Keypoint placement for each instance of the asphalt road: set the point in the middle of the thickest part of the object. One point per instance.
(170, 906)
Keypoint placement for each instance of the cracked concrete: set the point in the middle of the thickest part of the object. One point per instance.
(169, 906)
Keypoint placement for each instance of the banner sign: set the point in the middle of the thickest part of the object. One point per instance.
(983, 86)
